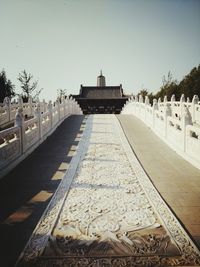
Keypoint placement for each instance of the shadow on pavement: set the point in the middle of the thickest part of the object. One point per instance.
(27, 189)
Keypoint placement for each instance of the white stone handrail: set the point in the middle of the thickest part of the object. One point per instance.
(10, 147)
(19, 141)
(193, 141)
(8, 109)
(176, 122)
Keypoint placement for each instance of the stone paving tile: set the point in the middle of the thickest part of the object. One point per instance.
(188, 210)
(194, 228)
(192, 219)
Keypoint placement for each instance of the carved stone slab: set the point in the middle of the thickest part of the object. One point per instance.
(106, 212)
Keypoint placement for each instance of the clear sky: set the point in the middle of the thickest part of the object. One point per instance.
(65, 43)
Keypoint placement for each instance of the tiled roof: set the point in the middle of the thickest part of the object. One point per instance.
(101, 92)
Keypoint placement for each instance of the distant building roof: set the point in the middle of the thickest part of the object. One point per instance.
(101, 99)
(98, 92)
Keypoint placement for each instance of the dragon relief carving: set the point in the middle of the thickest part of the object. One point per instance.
(111, 215)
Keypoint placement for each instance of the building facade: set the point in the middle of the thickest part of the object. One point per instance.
(101, 99)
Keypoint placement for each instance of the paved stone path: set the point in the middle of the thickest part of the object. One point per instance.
(26, 191)
(106, 211)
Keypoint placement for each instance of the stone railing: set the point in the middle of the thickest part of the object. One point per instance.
(8, 109)
(19, 141)
(176, 122)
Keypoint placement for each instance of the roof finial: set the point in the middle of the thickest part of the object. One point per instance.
(101, 80)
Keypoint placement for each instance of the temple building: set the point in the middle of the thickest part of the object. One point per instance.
(101, 98)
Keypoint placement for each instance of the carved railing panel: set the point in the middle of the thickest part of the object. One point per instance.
(45, 123)
(13, 111)
(193, 142)
(55, 116)
(169, 120)
(31, 133)
(175, 133)
(4, 115)
(197, 114)
(10, 145)
(159, 123)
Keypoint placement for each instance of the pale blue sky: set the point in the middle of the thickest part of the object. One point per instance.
(65, 43)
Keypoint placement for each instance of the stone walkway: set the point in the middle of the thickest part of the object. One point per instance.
(177, 180)
(106, 211)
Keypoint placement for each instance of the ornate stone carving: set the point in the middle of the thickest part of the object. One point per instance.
(106, 212)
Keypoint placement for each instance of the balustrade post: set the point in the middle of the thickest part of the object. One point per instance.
(195, 101)
(63, 104)
(20, 101)
(44, 108)
(76, 107)
(167, 113)
(73, 106)
(7, 105)
(146, 106)
(70, 106)
(30, 102)
(77, 110)
(155, 107)
(67, 105)
(159, 102)
(173, 99)
(50, 109)
(131, 106)
(37, 114)
(58, 108)
(185, 120)
(140, 105)
(136, 102)
(165, 99)
(182, 105)
(19, 122)
(147, 100)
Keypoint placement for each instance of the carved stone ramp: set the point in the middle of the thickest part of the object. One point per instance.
(106, 211)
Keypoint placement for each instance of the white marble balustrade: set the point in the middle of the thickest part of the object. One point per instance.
(193, 141)
(10, 147)
(30, 133)
(176, 122)
(19, 141)
(8, 109)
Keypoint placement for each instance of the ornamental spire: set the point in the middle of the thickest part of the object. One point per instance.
(101, 80)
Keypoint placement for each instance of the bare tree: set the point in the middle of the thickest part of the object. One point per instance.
(61, 93)
(28, 86)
